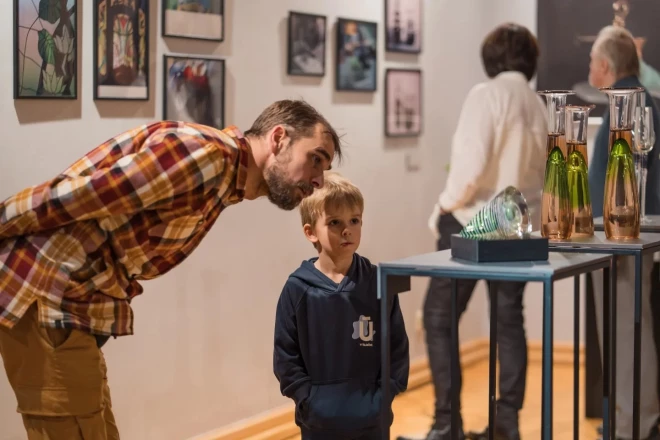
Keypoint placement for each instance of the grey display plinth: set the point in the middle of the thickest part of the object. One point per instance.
(394, 278)
(645, 244)
(652, 225)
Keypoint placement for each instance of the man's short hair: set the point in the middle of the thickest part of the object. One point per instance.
(337, 192)
(510, 47)
(299, 117)
(617, 46)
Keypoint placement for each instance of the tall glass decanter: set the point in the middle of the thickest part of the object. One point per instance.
(555, 101)
(621, 201)
(577, 121)
(556, 213)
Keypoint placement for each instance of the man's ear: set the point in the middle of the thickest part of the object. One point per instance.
(278, 139)
(310, 234)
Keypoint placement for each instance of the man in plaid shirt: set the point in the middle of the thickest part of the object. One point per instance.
(74, 249)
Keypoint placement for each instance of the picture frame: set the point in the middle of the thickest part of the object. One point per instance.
(403, 102)
(129, 80)
(193, 19)
(306, 44)
(45, 50)
(356, 56)
(187, 80)
(403, 26)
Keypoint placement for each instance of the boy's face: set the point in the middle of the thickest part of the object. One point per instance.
(337, 231)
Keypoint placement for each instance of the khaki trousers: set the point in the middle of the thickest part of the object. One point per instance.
(59, 379)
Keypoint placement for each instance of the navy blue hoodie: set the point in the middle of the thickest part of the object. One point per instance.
(327, 348)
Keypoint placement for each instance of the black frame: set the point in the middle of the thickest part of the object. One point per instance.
(147, 58)
(387, 103)
(289, 59)
(339, 43)
(223, 95)
(189, 37)
(389, 48)
(16, 68)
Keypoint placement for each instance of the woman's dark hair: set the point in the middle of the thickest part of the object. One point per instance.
(510, 47)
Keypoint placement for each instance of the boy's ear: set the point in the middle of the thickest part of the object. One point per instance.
(309, 233)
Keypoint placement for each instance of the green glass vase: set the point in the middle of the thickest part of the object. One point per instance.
(556, 213)
(505, 217)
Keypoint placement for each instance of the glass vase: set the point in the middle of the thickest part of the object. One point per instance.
(555, 101)
(556, 213)
(577, 121)
(621, 200)
(506, 216)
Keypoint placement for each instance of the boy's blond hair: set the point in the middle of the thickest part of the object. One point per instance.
(337, 192)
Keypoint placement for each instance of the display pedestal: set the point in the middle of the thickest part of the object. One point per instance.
(499, 251)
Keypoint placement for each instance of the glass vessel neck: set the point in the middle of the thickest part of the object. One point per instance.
(555, 101)
(622, 105)
(577, 121)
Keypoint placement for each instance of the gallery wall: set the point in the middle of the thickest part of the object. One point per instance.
(201, 357)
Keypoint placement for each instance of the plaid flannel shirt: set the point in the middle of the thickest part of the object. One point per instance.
(130, 210)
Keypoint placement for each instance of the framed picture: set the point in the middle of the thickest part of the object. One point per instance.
(356, 58)
(403, 21)
(194, 90)
(121, 49)
(196, 19)
(306, 53)
(403, 102)
(45, 49)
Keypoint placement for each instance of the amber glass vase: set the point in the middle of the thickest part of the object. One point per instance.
(577, 121)
(556, 213)
(555, 101)
(621, 201)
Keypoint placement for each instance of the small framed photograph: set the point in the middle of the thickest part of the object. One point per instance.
(195, 19)
(45, 49)
(356, 58)
(403, 21)
(307, 42)
(121, 50)
(194, 90)
(403, 102)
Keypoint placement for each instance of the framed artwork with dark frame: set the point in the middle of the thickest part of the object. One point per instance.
(121, 49)
(403, 26)
(45, 49)
(194, 19)
(356, 62)
(194, 90)
(306, 44)
(403, 102)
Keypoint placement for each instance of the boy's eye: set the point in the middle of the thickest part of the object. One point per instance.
(355, 221)
(334, 222)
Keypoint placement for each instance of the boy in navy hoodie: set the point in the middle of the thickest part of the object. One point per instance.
(327, 348)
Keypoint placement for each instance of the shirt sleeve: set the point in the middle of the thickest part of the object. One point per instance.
(166, 170)
(471, 149)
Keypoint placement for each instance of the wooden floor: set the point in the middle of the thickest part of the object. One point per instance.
(413, 411)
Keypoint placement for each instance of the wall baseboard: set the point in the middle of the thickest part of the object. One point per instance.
(278, 424)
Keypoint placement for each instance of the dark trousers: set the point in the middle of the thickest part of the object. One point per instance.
(511, 339)
(322, 435)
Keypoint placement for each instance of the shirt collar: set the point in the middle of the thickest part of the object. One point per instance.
(241, 163)
(512, 75)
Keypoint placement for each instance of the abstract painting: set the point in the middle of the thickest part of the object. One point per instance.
(121, 49)
(196, 19)
(567, 30)
(306, 54)
(403, 26)
(194, 90)
(45, 49)
(356, 62)
(403, 102)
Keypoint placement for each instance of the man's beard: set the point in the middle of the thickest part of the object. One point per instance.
(282, 192)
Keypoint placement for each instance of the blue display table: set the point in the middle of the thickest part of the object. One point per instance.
(394, 278)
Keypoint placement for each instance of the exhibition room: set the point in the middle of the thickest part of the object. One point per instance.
(330, 219)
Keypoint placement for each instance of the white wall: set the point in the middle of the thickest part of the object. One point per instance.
(206, 328)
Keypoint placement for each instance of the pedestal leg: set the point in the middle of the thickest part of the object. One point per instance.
(546, 412)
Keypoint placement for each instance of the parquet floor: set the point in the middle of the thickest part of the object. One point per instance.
(414, 410)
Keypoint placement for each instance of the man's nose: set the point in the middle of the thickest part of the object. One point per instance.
(317, 181)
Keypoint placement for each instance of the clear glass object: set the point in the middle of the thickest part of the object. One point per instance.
(555, 101)
(644, 140)
(577, 121)
(621, 200)
(556, 213)
(506, 216)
